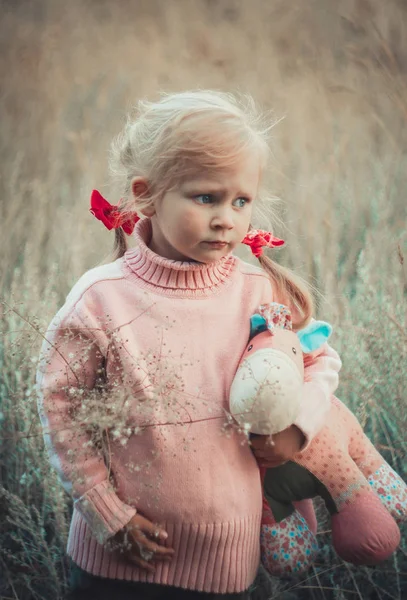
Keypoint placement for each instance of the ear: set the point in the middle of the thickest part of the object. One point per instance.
(314, 335)
(140, 190)
(257, 325)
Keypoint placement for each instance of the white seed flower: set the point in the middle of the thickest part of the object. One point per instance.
(247, 427)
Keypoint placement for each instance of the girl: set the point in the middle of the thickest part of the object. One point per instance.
(136, 367)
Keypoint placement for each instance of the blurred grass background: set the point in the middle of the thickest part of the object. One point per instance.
(337, 72)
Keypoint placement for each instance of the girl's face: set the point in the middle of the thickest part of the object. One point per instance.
(205, 208)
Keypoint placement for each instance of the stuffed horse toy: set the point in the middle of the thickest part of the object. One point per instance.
(365, 497)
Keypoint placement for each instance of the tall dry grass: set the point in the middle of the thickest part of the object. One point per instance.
(338, 73)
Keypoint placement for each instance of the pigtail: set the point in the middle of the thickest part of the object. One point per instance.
(291, 290)
(120, 244)
(119, 247)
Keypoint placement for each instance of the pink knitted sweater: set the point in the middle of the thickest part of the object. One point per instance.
(145, 350)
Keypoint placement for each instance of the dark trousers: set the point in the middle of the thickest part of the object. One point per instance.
(85, 586)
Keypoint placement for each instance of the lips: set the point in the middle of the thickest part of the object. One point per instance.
(217, 245)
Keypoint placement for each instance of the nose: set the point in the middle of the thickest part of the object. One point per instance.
(223, 218)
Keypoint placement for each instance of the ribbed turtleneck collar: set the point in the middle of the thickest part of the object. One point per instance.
(172, 277)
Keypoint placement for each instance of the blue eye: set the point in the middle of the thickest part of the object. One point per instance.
(245, 200)
(210, 198)
(207, 198)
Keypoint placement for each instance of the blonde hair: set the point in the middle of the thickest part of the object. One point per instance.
(186, 132)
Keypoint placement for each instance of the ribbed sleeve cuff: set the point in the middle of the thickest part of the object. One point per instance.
(103, 511)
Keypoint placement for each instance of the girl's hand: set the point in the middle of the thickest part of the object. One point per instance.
(139, 540)
(277, 449)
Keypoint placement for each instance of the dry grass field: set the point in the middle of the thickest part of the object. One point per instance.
(337, 73)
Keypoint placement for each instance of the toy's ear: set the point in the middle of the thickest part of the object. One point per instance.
(257, 325)
(314, 335)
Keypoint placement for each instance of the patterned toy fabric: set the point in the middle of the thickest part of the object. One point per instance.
(288, 547)
(277, 316)
(391, 490)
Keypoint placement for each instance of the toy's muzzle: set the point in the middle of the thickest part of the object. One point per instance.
(265, 394)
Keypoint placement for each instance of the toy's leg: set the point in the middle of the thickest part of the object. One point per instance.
(287, 543)
(363, 531)
(288, 546)
(384, 481)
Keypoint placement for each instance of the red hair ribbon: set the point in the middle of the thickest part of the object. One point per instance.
(257, 238)
(111, 216)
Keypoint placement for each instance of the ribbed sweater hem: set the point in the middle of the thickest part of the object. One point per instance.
(209, 557)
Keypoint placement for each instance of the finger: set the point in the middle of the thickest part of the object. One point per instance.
(262, 441)
(267, 455)
(139, 534)
(146, 526)
(268, 452)
(141, 563)
(155, 531)
(257, 442)
(159, 558)
(143, 541)
(162, 551)
(271, 464)
(259, 453)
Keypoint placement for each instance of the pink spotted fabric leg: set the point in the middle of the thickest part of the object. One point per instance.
(328, 456)
(383, 480)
